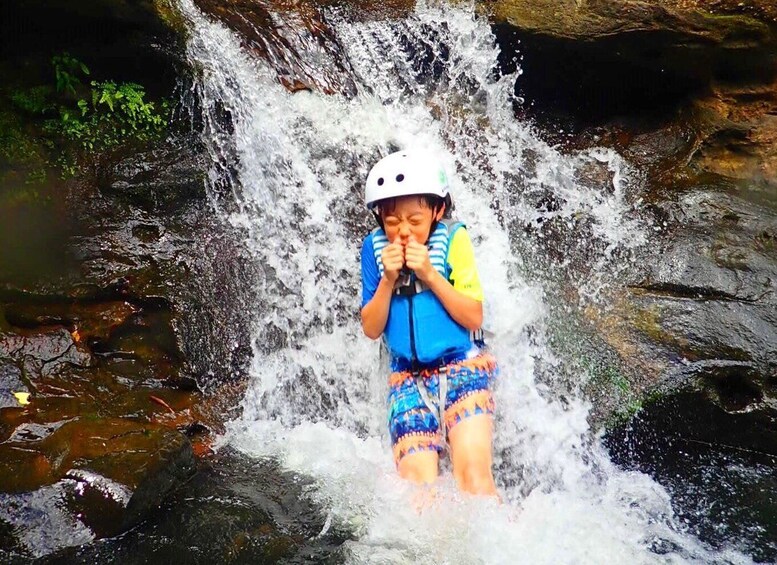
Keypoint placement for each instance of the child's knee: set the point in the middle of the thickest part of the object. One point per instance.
(475, 477)
(419, 468)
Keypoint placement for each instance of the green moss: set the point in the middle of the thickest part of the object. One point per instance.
(631, 409)
(172, 17)
(648, 321)
(766, 242)
(736, 27)
(23, 156)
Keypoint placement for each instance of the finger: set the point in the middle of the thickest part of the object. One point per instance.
(394, 257)
(413, 244)
(417, 250)
(416, 260)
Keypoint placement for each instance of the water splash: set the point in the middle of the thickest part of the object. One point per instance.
(295, 165)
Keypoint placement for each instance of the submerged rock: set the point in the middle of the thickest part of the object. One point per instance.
(101, 477)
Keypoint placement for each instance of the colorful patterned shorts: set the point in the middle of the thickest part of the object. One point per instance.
(413, 426)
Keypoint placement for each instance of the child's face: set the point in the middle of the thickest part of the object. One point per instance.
(410, 215)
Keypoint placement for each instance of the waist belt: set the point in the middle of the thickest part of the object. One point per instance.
(400, 364)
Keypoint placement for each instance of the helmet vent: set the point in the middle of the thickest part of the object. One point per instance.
(380, 181)
(400, 178)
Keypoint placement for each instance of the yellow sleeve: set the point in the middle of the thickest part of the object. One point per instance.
(464, 272)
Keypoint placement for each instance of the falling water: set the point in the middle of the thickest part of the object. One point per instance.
(294, 164)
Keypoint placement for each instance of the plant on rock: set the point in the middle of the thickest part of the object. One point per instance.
(81, 120)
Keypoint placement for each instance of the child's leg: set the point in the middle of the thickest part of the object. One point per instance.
(414, 431)
(471, 454)
(469, 419)
(420, 467)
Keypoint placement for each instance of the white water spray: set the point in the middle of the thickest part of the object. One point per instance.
(316, 401)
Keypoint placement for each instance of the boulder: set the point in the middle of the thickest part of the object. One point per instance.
(605, 60)
(705, 307)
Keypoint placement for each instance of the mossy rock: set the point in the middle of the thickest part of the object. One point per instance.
(586, 21)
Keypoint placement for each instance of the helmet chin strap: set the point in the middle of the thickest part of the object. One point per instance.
(378, 219)
(435, 221)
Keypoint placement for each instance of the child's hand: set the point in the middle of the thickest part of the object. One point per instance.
(417, 258)
(393, 258)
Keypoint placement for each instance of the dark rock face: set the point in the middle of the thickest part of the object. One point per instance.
(729, 22)
(106, 290)
(712, 289)
(717, 463)
(159, 180)
(637, 62)
(113, 353)
(93, 447)
(705, 303)
(121, 40)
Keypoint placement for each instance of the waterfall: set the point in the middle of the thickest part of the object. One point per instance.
(288, 173)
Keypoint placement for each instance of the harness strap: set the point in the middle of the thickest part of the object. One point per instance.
(438, 410)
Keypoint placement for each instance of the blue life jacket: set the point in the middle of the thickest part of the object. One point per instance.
(419, 331)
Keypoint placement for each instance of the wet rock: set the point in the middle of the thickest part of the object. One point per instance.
(602, 61)
(103, 476)
(738, 134)
(733, 23)
(164, 177)
(43, 353)
(717, 465)
(721, 245)
(288, 36)
(10, 383)
(235, 510)
(89, 320)
(706, 298)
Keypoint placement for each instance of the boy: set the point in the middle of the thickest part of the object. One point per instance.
(421, 293)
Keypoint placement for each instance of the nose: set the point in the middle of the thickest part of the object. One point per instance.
(404, 230)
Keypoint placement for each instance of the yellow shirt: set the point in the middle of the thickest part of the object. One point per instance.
(464, 272)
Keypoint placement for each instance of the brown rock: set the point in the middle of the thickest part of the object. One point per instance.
(133, 465)
(719, 22)
(288, 36)
(740, 140)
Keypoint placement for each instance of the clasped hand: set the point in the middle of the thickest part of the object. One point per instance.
(414, 255)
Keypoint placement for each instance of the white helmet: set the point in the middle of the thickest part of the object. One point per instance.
(404, 173)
